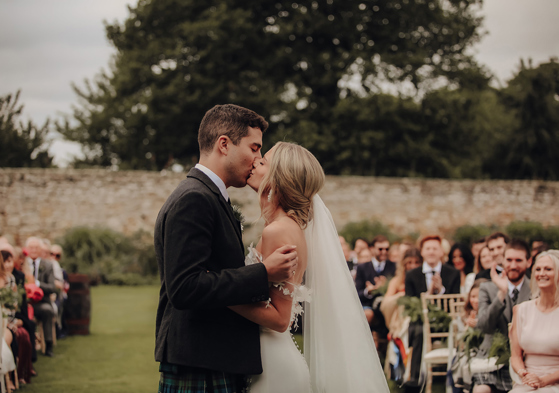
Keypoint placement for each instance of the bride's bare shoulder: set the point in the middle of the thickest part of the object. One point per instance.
(284, 230)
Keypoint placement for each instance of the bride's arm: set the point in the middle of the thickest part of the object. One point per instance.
(276, 314)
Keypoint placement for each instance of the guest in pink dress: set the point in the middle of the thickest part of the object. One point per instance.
(535, 335)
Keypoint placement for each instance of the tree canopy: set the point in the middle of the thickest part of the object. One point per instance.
(301, 64)
(22, 144)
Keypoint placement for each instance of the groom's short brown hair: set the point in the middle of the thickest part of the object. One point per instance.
(230, 120)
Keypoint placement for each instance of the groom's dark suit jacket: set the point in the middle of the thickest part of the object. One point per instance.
(366, 272)
(199, 249)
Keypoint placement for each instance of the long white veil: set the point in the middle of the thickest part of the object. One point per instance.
(338, 344)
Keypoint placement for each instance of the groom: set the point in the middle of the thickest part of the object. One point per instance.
(201, 344)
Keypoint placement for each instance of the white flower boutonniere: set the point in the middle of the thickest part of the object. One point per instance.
(239, 215)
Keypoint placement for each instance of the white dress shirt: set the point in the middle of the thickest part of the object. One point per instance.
(379, 266)
(511, 287)
(428, 271)
(215, 178)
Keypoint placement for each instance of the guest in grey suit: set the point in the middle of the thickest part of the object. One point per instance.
(43, 271)
(496, 300)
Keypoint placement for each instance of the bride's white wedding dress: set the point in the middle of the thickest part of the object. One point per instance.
(285, 368)
(339, 351)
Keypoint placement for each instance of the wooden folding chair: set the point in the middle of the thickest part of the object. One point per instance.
(453, 304)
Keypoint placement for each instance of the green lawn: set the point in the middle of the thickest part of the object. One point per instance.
(118, 354)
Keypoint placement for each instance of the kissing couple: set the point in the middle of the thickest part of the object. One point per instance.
(223, 319)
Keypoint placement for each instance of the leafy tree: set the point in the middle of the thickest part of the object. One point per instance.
(22, 144)
(293, 61)
(530, 150)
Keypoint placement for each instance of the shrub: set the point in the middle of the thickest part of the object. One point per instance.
(467, 234)
(103, 253)
(367, 230)
(531, 230)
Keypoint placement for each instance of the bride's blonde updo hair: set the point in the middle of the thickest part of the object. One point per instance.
(294, 177)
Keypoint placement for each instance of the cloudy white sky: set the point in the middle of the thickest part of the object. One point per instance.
(47, 45)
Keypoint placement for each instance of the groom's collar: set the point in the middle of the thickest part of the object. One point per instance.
(215, 179)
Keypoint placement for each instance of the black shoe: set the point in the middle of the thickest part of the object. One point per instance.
(48, 351)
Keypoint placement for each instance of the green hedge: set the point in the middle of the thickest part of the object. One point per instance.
(108, 256)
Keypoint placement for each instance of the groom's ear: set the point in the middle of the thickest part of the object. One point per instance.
(222, 144)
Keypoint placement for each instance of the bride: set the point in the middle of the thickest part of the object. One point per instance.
(339, 352)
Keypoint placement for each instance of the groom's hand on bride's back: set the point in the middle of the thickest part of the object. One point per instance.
(281, 264)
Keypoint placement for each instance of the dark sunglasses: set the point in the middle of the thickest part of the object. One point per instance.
(52, 254)
(383, 249)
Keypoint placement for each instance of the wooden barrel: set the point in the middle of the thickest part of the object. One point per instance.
(78, 305)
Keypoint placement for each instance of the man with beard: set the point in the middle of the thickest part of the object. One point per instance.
(496, 300)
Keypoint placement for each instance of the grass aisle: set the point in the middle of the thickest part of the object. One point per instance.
(116, 357)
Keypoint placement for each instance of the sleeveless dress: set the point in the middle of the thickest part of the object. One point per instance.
(538, 336)
(284, 367)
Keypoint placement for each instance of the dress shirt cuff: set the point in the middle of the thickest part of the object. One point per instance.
(442, 291)
(367, 294)
(38, 283)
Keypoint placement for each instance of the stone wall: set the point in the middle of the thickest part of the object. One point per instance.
(46, 202)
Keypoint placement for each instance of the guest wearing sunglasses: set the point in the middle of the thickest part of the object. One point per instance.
(370, 277)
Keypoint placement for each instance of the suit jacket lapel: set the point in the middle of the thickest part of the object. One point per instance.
(198, 174)
(525, 292)
(422, 281)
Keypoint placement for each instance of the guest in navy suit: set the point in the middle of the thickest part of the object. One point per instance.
(370, 277)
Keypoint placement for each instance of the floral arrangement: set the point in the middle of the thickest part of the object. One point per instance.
(439, 320)
(239, 215)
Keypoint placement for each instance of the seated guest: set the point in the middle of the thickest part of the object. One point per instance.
(496, 301)
(496, 243)
(484, 261)
(373, 275)
(18, 320)
(462, 259)
(432, 277)
(460, 370)
(360, 245)
(534, 335)
(7, 354)
(478, 245)
(43, 272)
(397, 288)
(351, 265)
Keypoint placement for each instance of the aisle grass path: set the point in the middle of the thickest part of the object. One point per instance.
(116, 357)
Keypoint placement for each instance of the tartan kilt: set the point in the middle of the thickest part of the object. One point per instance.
(499, 379)
(182, 379)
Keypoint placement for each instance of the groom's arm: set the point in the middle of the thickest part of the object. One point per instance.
(188, 230)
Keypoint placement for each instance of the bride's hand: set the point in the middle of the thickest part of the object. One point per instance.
(281, 264)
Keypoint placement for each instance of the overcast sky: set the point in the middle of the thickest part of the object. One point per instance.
(47, 45)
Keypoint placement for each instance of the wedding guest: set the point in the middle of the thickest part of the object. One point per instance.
(462, 259)
(534, 335)
(496, 243)
(433, 277)
(397, 288)
(460, 371)
(496, 301)
(18, 320)
(484, 261)
(394, 254)
(61, 279)
(370, 277)
(477, 245)
(43, 273)
(9, 345)
(360, 244)
(351, 265)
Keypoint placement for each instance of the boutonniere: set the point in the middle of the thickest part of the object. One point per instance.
(239, 215)
(41, 268)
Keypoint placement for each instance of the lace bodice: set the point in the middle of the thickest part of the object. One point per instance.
(299, 294)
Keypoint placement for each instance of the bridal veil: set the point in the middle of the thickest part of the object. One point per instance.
(338, 345)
